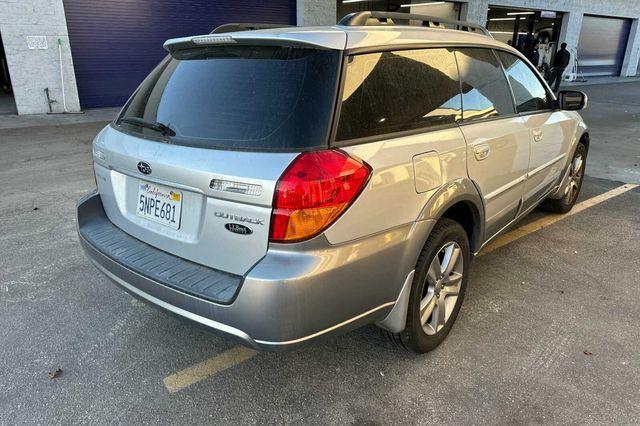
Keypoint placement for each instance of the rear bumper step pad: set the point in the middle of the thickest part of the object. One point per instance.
(157, 265)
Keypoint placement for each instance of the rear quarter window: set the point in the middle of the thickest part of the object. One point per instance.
(398, 91)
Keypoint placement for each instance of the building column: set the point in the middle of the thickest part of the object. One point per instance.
(32, 34)
(570, 34)
(475, 11)
(570, 30)
(316, 12)
(632, 54)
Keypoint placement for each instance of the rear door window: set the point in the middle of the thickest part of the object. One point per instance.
(485, 92)
(528, 91)
(398, 91)
(238, 97)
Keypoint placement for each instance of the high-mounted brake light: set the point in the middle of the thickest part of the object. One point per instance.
(313, 192)
(212, 39)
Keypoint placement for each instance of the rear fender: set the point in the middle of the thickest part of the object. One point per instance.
(459, 190)
(451, 193)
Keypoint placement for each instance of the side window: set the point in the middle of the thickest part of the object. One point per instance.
(388, 92)
(529, 93)
(485, 92)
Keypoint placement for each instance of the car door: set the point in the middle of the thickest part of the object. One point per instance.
(550, 130)
(497, 140)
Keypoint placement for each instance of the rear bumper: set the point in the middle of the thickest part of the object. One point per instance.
(295, 294)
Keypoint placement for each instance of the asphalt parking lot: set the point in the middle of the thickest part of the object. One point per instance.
(549, 330)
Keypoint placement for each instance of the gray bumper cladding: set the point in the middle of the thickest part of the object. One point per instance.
(293, 296)
(131, 253)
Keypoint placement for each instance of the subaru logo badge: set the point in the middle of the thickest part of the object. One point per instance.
(144, 168)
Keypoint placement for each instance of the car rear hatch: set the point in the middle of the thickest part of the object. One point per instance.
(191, 164)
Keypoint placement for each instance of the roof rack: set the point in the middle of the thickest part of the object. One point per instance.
(243, 26)
(371, 18)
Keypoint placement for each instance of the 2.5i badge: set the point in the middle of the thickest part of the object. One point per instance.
(236, 228)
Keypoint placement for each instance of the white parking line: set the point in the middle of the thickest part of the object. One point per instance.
(240, 354)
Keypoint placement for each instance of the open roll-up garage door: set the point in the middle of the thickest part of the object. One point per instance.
(116, 43)
(602, 45)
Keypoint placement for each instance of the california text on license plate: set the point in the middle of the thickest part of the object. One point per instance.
(159, 204)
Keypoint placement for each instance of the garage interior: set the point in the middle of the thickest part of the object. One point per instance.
(527, 30)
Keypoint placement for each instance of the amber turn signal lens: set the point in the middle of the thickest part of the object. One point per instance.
(313, 192)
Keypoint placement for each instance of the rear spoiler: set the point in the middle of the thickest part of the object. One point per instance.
(320, 39)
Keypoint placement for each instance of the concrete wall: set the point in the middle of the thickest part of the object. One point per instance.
(32, 70)
(316, 12)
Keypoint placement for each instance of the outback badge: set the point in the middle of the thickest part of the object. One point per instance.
(236, 228)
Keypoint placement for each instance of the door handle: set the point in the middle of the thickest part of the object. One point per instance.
(481, 151)
(537, 135)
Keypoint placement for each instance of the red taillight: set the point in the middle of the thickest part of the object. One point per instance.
(312, 193)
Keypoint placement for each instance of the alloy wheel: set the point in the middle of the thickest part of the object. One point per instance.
(442, 287)
(575, 177)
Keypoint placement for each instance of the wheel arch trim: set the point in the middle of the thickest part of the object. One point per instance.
(454, 192)
(582, 134)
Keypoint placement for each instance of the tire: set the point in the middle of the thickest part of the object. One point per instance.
(576, 176)
(447, 237)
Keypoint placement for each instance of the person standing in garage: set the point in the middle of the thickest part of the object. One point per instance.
(560, 62)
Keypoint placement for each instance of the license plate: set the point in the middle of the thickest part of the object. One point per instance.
(159, 204)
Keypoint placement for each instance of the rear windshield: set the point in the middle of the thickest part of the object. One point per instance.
(237, 97)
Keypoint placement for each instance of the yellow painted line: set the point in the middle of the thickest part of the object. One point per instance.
(536, 225)
(207, 368)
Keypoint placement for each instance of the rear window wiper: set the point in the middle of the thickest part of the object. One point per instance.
(153, 125)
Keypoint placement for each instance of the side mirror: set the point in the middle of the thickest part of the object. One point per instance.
(572, 100)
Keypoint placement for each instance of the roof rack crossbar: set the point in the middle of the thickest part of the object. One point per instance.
(245, 26)
(369, 18)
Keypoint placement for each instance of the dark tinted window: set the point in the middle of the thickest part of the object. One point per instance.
(485, 92)
(240, 97)
(390, 92)
(529, 93)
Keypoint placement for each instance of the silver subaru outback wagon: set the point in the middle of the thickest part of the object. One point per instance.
(283, 184)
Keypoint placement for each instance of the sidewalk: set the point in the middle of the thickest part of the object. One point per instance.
(600, 80)
(13, 121)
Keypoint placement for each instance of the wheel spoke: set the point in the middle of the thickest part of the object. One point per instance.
(451, 259)
(577, 165)
(452, 285)
(434, 270)
(426, 308)
(572, 187)
(439, 316)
